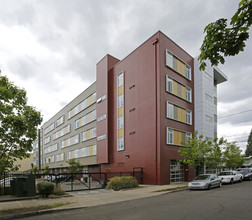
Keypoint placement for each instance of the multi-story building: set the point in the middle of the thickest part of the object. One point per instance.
(205, 87)
(137, 114)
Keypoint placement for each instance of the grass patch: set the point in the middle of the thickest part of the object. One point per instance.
(31, 209)
(171, 189)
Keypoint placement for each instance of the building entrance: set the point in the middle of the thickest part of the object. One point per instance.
(176, 172)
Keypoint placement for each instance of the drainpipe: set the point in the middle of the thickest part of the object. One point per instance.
(155, 57)
(39, 150)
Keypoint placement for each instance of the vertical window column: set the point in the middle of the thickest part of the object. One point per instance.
(120, 111)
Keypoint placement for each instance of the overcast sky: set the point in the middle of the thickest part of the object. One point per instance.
(51, 47)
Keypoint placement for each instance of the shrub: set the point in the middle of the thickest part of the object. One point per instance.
(117, 183)
(58, 192)
(45, 188)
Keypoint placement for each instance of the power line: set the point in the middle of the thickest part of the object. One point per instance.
(225, 116)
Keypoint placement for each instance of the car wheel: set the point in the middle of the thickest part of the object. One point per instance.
(220, 185)
(209, 187)
(231, 181)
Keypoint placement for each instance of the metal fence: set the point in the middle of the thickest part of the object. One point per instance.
(69, 181)
(74, 181)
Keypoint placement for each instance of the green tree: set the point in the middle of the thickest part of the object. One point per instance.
(35, 169)
(74, 166)
(214, 157)
(18, 125)
(46, 169)
(232, 156)
(222, 40)
(248, 151)
(195, 152)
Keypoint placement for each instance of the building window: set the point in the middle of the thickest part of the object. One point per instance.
(60, 121)
(170, 110)
(120, 111)
(120, 144)
(179, 66)
(177, 137)
(70, 141)
(188, 117)
(89, 134)
(188, 136)
(51, 148)
(120, 122)
(120, 101)
(83, 105)
(47, 140)
(61, 132)
(178, 113)
(169, 136)
(188, 94)
(169, 84)
(188, 74)
(91, 116)
(49, 128)
(169, 59)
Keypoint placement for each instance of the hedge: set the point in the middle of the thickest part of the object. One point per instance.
(45, 188)
(123, 182)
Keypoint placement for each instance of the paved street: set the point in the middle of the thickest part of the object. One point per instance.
(229, 202)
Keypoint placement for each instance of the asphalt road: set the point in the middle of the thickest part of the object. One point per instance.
(229, 202)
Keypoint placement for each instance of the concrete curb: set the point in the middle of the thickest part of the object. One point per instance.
(35, 197)
(34, 213)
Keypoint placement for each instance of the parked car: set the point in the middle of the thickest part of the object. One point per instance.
(230, 176)
(246, 172)
(205, 181)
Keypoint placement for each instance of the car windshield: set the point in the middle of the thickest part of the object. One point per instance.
(202, 177)
(243, 170)
(225, 173)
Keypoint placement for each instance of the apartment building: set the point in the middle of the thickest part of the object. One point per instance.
(71, 133)
(205, 85)
(137, 114)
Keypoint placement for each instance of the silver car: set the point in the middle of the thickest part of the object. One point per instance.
(205, 181)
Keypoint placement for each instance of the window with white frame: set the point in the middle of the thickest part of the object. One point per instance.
(169, 136)
(188, 117)
(47, 140)
(59, 121)
(49, 128)
(188, 135)
(120, 80)
(169, 59)
(70, 141)
(120, 101)
(120, 144)
(120, 111)
(188, 73)
(120, 122)
(188, 94)
(81, 106)
(91, 116)
(89, 134)
(170, 110)
(169, 84)
(62, 132)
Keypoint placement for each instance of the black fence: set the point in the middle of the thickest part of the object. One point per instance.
(69, 181)
(74, 181)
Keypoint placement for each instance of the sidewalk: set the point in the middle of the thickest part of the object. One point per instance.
(81, 199)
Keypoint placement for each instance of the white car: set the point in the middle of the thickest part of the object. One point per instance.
(230, 176)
